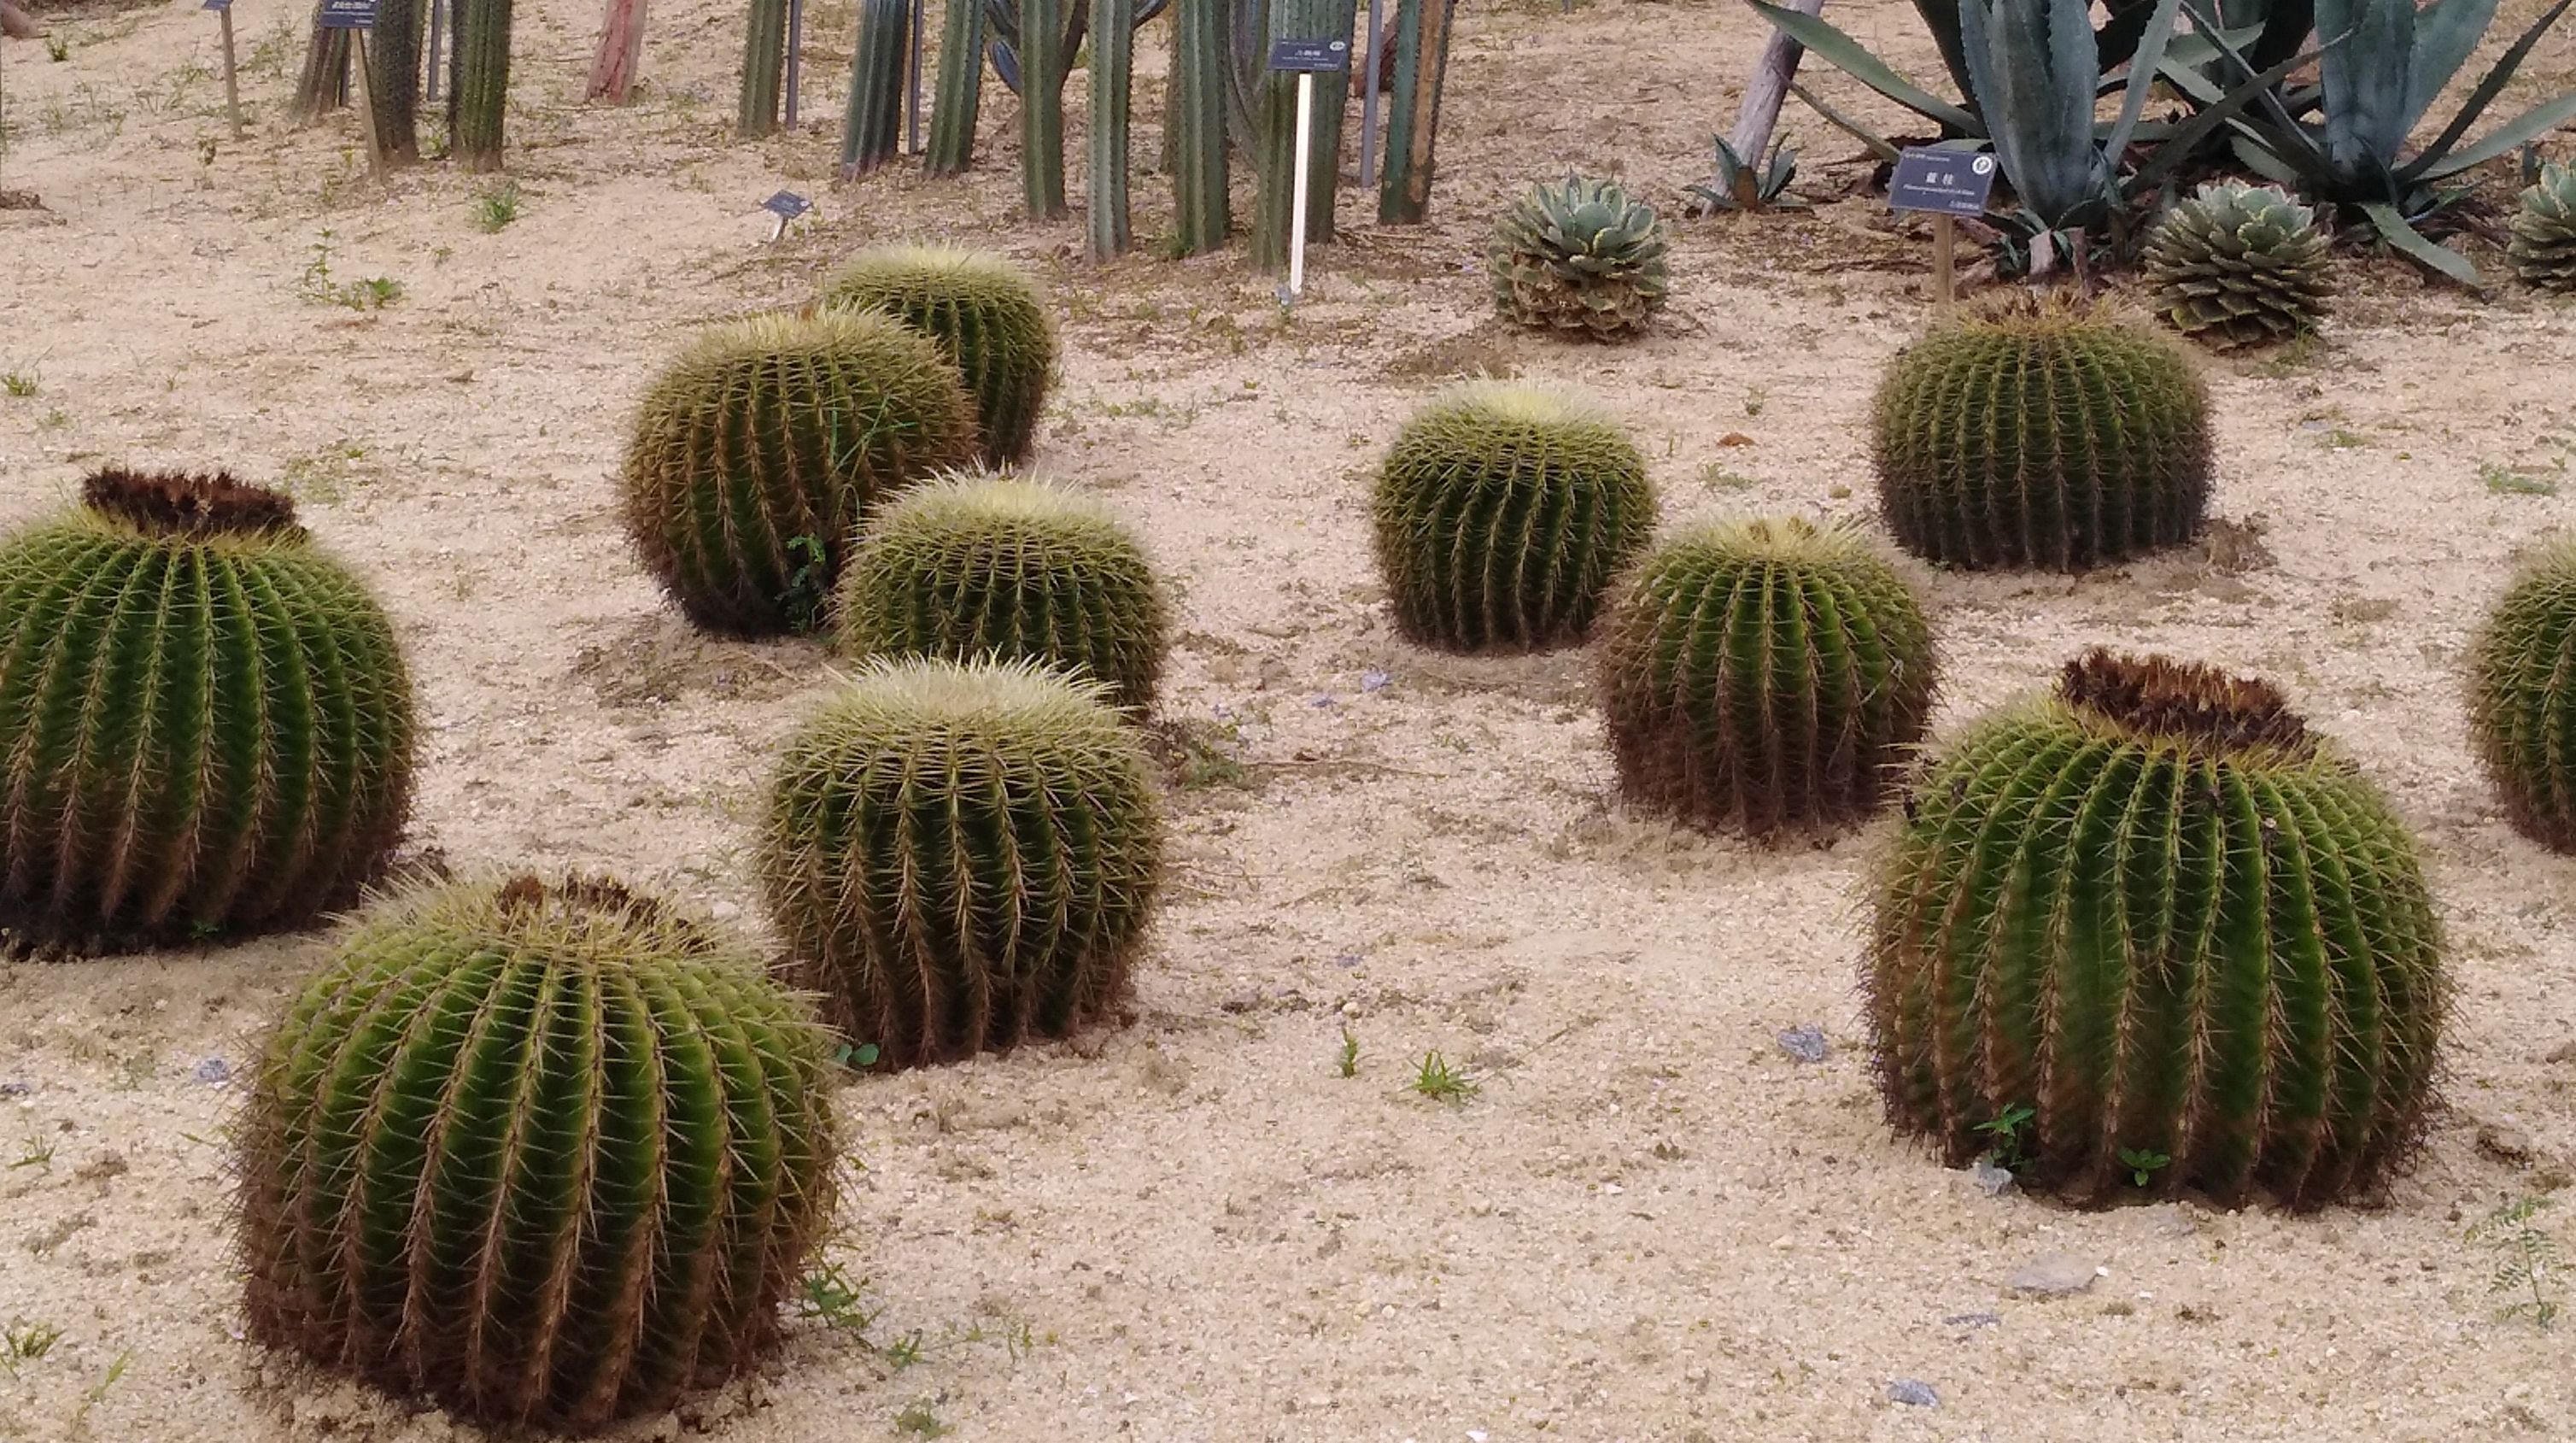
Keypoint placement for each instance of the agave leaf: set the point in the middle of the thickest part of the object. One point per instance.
(2431, 164)
(2187, 137)
(2034, 63)
(1879, 145)
(2252, 154)
(2446, 31)
(2393, 228)
(1849, 56)
(2365, 82)
(2530, 126)
(2145, 61)
(1941, 17)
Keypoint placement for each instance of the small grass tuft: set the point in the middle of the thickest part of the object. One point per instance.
(1350, 1054)
(1440, 1082)
(2516, 480)
(494, 209)
(2526, 1260)
(19, 385)
(23, 1342)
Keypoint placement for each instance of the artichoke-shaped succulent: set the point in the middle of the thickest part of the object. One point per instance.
(205, 722)
(1503, 513)
(2543, 244)
(1580, 256)
(2153, 927)
(962, 857)
(2522, 698)
(1765, 674)
(2036, 432)
(548, 1154)
(986, 315)
(759, 450)
(973, 564)
(2239, 265)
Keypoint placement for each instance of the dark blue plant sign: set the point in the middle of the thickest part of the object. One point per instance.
(1945, 182)
(217, 5)
(1318, 55)
(348, 14)
(787, 205)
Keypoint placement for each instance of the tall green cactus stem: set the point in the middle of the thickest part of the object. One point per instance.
(759, 450)
(1195, 152)
(2522, 698)
(393, 76)
(962, 857)
(2036, 433)
(872, 126)
(2157, 912)
(1502, 514)
(985, 314)
(976, 565)
(207, 723)
(1113, 60)
(959, 95)
(1276, 126)
(1413, 109)
(549, 1155)
(1043, 61)
(764, 68)
(1764, 674)
(479, 94)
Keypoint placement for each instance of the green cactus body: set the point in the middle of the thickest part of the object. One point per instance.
(2040, 434)
(1502, 514)
(1764, 674)
(962, 857)
(1195, 149)
(976, 565)
(2157, 912)
(759, 450)
(206, 723)
(1579, 257)
(764, 67)
(872, 121)
(477, 98)
(2522, 698)
(1043, 61)
(958, 97)
(549, 1155)
(1113, 62)
(2542, 246)
(1420, 60)
(2239, 265)
(985, 314)
(1275, 125)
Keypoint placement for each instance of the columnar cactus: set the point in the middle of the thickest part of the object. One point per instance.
(962, 857)
(976, 565)
(2522, 699)
(1764, 674)
(2543, 245)
(1502, 514)
(2153, 925)
(2239, 265)
(1579, 256)
(546, 1154)
(2037, 433)
(985, 314)
(206, 723)
(761, 448)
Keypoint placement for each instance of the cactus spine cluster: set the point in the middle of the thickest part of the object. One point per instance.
(2179, 929)
(1502, 514)
(2037, 433)
(2543, 244)
(547, 1154)
(2522, 698)
(759, 450)
(977, 565)
(984, 313)
(962, 857)
(1764, 674)
(1578, 256)
(206, 723)
(2239, 265)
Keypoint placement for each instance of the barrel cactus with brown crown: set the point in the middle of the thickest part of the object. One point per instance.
(987, 316)
(549, 1154)
(2151, 926)
(2036, 432)
(2522, 698)
(206, 721)
(761, 448)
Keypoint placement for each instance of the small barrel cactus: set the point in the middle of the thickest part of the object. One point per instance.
(975, 565)
(1580, 256)
(2239, 265)
(2151, 927)
(984, 313)
(207, 723)
(2039, 433)
(548, 1154)
(1503, 513)
(2543, 245)
(761, 448)
(2522, 698)
(962, 857)
(1767, 674)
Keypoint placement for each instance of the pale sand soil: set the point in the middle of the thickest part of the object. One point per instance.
(1651, 1224)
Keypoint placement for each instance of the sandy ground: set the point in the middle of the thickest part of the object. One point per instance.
(1651, 1223)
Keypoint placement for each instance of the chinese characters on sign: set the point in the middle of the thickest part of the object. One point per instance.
(1945, 182)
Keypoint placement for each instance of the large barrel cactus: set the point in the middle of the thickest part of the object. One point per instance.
(976, 565)
(2039, 433)
(2543, 244)
(549, 1154)
(2522, 698)
(2239, 265)
(1764, 674)
(2153, 925)
(206, 723)
(759, 450)
(1503, 512)
(985, 314)
(962, 857)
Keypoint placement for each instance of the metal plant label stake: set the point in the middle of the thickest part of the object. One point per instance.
(1307, 58)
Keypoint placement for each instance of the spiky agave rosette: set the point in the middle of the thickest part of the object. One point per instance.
(206, 721)
(1502, 513)
(2543, 244)
(2239, 265)
(547, 1153)
(1765, 674)
(962, 857)
(983, 312)
(2522, 698)
(1579, 256)
(2172, 923)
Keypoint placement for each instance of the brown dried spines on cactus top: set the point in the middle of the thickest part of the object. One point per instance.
(2157, 696)
(580, 896)
(167, 503)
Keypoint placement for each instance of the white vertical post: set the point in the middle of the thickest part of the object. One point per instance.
(1297, 202)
